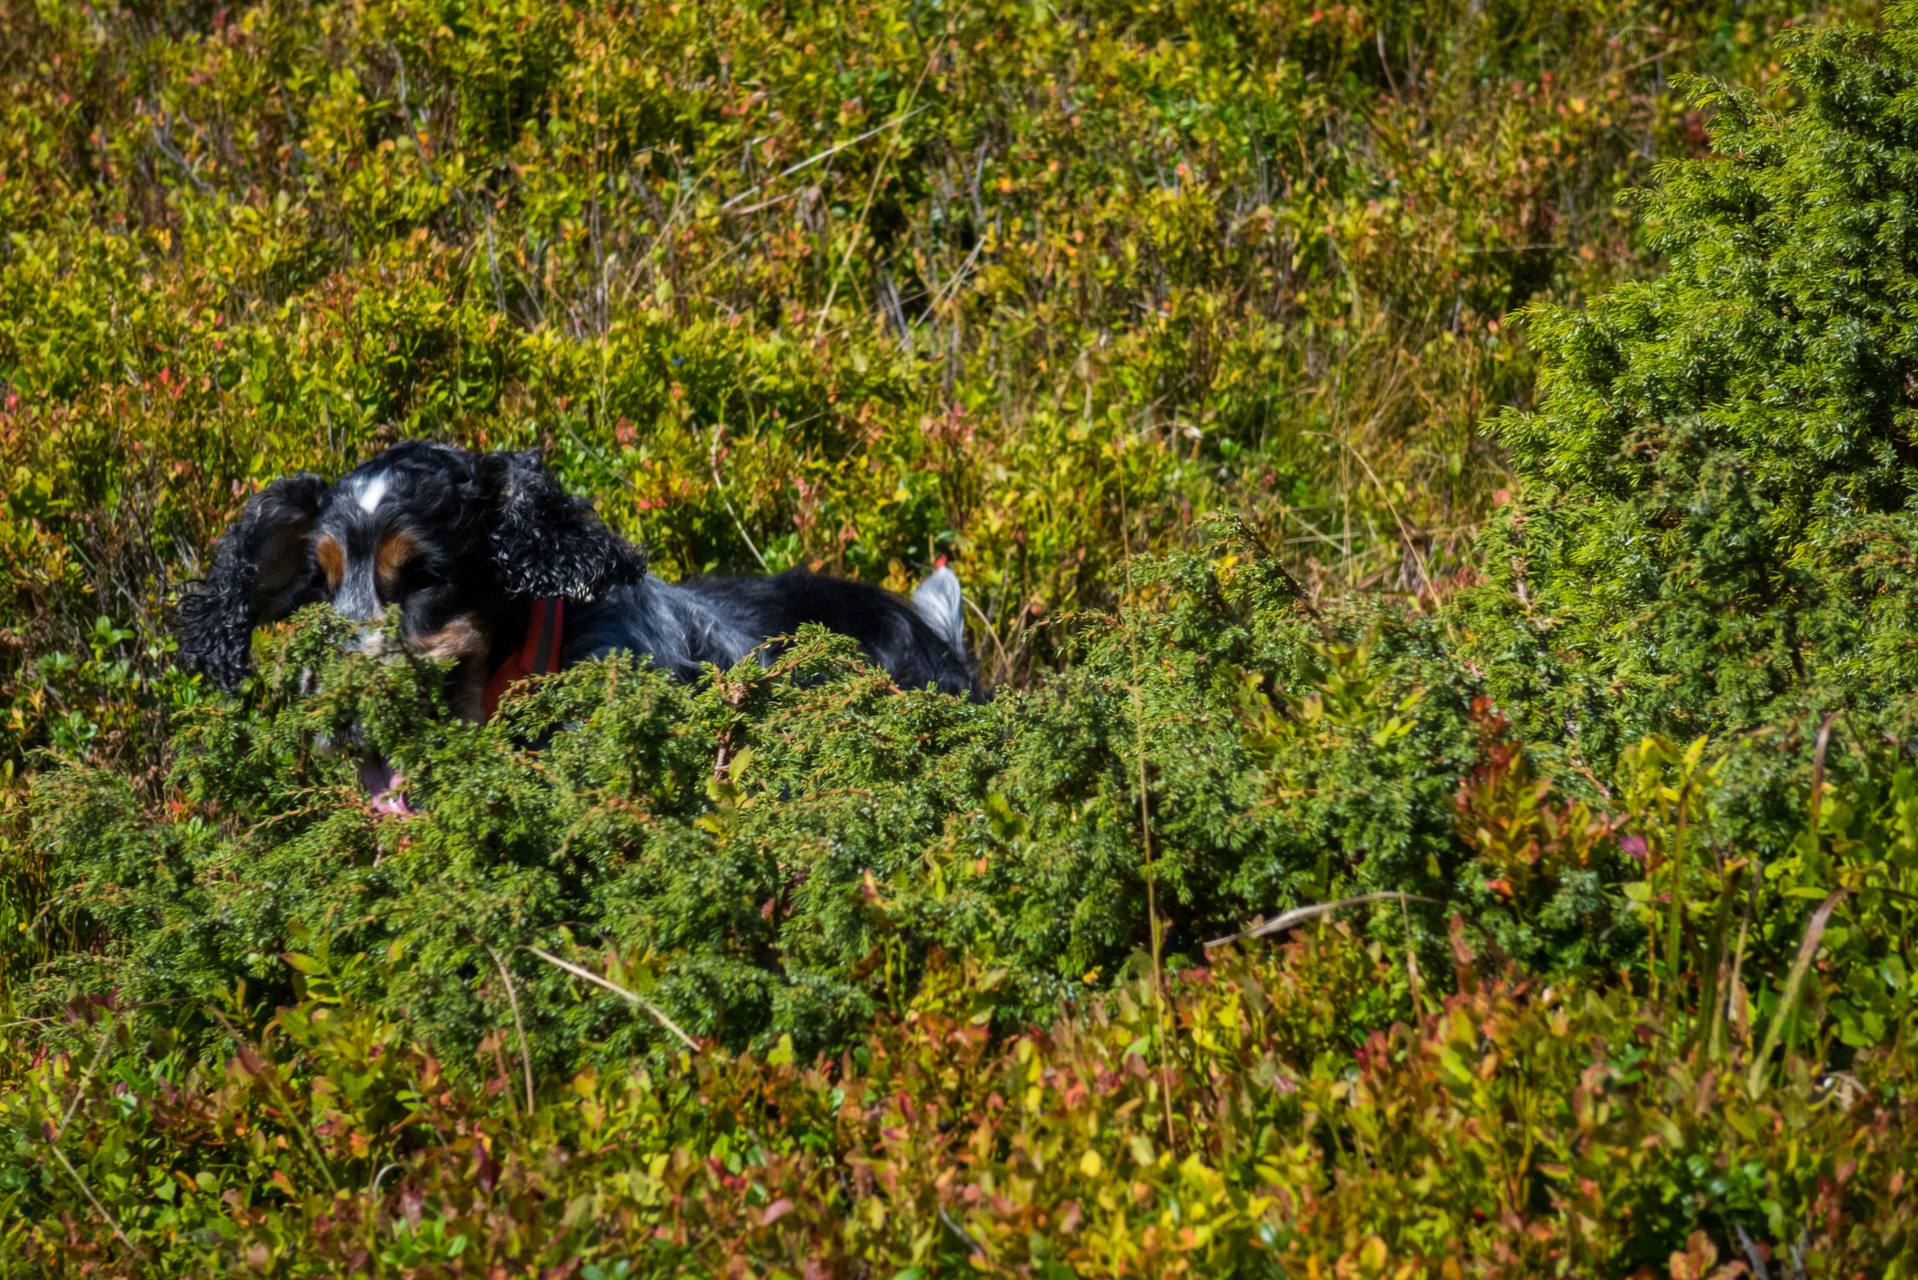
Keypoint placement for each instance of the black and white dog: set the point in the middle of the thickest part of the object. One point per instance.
(494, 565)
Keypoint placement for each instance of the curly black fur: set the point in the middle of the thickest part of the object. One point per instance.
(262, 571)
(547, 542)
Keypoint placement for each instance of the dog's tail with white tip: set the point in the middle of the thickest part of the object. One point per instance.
(939, 603)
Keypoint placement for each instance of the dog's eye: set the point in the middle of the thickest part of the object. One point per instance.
(413, 576)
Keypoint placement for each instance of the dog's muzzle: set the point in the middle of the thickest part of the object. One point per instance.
(383, 782)
(377, 775)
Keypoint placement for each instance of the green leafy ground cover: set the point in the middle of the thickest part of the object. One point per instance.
(1307, 564)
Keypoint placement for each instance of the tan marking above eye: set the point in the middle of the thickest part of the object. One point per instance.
(463, 637)
(395, 550)
(332, 558)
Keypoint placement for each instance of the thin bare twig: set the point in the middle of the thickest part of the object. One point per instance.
(829, 151)
(92, 1199)
(960, 1232)
(59, 1131)
(712, 462)
(956, 277)
(174, 155)
(512, 998)
(106, 1038)
(767, 204)
(872, 189)
(1405, 532)
(406, 116)
(986, 622)
(268, 1074)
(658, 1014)
(373, 1188)
(1299, 915)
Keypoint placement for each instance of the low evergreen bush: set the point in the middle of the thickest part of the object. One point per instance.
(779, 851)
(1715, 527)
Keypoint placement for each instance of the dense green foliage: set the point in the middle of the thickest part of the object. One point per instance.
(1600, 743)
(1719, 512)
(798, 887)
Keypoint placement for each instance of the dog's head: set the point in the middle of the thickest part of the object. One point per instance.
(454, 538)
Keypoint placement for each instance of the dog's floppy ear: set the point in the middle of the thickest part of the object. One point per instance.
(262, 571)
(545, 541)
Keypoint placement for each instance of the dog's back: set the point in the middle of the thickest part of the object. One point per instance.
(915, 648)
(890, 632)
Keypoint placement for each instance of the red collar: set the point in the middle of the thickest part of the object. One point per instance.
(538, 655)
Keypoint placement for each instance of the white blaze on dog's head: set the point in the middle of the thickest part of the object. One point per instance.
(369, 491)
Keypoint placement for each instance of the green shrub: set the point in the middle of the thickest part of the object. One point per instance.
(1715, 524)
(776, 852)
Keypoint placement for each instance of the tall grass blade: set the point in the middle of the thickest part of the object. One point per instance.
(1815, 930)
